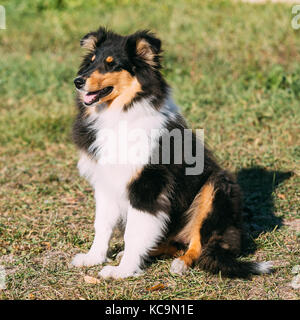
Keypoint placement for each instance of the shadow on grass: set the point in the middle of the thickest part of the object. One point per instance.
(258, 185)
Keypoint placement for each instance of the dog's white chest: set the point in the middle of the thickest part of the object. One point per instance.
(111, 178)
(123, 146)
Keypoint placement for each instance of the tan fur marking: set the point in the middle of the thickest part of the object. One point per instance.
(89, 43)
(93, 57)
(125, 86)
(109, 59)
(165, 249)
(144, 50)
(127, 93)
(198, 212)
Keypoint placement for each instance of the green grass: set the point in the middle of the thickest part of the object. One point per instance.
(234, 69)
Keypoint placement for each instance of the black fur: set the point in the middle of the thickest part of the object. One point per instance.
(171, 181)
(83, 135)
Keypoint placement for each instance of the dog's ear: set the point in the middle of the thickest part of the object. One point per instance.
(145, 46)
(90, 40)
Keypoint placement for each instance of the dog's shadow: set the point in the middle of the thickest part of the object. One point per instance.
(258, 186)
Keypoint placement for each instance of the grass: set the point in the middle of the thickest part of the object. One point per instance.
(234, 69)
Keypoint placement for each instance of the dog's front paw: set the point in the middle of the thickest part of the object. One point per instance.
(116, 272)
(87, 260)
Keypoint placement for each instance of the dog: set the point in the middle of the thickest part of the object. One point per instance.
(164, 209)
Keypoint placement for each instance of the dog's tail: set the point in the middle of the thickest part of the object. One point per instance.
(214, 258)
(214, 230)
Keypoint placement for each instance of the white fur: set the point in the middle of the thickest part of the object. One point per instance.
(178, 266)
(264, 267)
(110, 181)
(142, 232)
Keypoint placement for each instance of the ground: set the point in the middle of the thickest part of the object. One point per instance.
(234, 70)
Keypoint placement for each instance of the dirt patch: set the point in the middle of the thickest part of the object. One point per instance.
(293, 224)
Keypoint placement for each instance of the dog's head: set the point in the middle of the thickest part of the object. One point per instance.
(119, 68)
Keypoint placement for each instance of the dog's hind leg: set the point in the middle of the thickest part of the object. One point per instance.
(181, 264)
(199, 210)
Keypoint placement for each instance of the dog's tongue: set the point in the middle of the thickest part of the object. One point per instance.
(89, 97)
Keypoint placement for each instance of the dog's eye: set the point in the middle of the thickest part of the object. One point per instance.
(109, 59)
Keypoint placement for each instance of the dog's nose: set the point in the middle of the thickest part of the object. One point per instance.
(79, 82)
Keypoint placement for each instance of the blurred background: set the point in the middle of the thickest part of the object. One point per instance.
(234, 69)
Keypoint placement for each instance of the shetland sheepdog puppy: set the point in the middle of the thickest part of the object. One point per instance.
(172, 197)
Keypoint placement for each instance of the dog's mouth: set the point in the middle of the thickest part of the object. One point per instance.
(92, 97)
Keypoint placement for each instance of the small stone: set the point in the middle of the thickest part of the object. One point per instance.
(91, 280)
(295, 284)
(296, 269)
